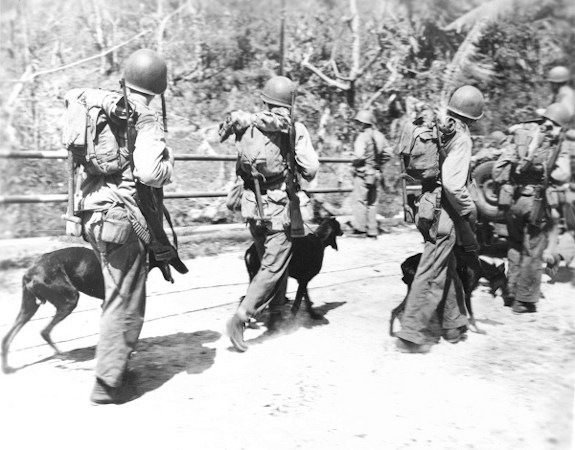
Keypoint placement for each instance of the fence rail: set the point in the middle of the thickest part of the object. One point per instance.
(62, 154)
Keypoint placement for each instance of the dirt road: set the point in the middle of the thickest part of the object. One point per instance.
(333, 384)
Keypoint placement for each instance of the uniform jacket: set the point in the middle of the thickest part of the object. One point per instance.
(455, 170)
(152, 164)
(371, 151)
(511, 166)
(275, 199)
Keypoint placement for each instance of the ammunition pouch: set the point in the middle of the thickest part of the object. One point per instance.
(116, 226)
(538, 213)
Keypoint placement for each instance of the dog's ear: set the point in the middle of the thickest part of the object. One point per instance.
(331, 241)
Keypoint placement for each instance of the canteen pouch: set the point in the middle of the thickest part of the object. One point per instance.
(370, 178)
(116, 228)
(428, 210)
(552, 197)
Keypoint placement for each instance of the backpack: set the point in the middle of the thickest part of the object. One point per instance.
(264, 153)
(95, 140)
(418, 150)
(523, 137)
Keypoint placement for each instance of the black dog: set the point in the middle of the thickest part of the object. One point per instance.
(57, 277)
(306, 262)
(469, 278)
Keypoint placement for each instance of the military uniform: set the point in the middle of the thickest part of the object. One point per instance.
(371, 151)
(528, 240)
(435, 302)
(111, 199)
(271, 236)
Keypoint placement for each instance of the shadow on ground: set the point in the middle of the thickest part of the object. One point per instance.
(291, 324)
(157, 359)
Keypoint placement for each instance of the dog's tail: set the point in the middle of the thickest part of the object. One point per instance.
(27, 310)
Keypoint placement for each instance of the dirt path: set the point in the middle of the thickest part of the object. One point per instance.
(332, 384)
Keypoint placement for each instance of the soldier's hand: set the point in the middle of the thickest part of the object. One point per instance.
(169, 154)
(240, 120)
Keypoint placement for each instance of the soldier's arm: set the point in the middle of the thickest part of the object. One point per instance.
(503, 167)
(275, 120)
(384, 150)
(566, 96)
(305, 156)
(562, 171)
(454, 176)
(153, 159)
(359, 146)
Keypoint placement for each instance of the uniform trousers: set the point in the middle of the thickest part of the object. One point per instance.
(525, 254)
(124, 270)
(268, 286)
(436, 299)
(365, 206)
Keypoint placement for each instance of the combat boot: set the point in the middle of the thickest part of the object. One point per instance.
(103, 394)
(405, 346)
(523, 307)
(455, 335)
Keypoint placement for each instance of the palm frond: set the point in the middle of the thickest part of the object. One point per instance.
(462, 66)
(487, 12)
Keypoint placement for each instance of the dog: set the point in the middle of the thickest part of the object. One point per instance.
(494, 274)
(57, 277)
(306, 261)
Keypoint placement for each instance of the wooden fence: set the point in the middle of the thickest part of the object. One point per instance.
(60, 198)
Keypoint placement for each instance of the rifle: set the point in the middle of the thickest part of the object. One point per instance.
(297, 228)
(539, 209)
(407, 211)
(73, 222)
(151, 204)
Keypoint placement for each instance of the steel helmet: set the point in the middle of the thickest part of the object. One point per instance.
(146, 71)
(558, 113)
(559, 74)
(467, 101)
(279, 91)
(365, 116)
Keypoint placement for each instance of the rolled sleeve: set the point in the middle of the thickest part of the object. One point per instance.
(305, 155)
(455, 174)
(153, 165)
(561, 173)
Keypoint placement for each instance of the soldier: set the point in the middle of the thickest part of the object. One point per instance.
(543, 156)
(492, 148)
(559, 77)
(266, 141)
(371, 151)
(437, 292)
(108, 205)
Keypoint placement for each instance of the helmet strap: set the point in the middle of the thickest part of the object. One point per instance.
(164, 115)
